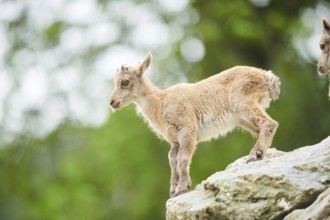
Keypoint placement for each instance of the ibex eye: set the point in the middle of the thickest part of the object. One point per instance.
(125, 82)
(322, 46)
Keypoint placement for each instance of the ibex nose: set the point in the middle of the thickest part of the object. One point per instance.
(114, 104)
(320, 69)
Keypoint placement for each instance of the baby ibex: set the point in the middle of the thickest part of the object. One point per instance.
(323, 65)
(186, 114)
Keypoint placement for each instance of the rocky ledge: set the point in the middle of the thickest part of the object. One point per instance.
(290, 186)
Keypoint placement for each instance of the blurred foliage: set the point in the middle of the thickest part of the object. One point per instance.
(120, 169)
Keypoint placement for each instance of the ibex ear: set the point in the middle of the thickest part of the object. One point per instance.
(326, 26)
(142, 67)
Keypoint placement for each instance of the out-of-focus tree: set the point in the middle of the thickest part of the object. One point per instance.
(62, 157)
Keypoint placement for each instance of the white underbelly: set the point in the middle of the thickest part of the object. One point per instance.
(212, 128)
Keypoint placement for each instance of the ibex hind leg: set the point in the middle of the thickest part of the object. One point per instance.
(259, 122)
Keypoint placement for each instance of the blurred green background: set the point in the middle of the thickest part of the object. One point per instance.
(64, 155)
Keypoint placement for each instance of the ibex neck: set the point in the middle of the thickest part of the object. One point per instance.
(149, 88)
(149, 96)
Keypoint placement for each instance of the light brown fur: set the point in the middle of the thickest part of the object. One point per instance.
(188, 113)
(323, 66)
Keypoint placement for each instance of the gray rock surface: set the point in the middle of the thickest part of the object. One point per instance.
(319, 210)
(267, 189)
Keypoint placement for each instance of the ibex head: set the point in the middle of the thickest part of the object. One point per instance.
(127, 83)
(323, 65)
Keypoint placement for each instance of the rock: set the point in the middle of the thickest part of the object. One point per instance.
(319, 210)
(267, 189)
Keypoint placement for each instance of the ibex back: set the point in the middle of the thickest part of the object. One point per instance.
(186, 114)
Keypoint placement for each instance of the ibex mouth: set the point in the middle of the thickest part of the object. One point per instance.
(322, 73)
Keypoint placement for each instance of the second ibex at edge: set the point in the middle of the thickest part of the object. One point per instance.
(323, 66)
(186, 114)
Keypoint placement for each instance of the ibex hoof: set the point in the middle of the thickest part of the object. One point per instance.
(180, 192)
(259, 155)
(172, 194)
(251, 159)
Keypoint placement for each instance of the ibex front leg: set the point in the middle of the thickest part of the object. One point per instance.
(187, 141)
(172, 157)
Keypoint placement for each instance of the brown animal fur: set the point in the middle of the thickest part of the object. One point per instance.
(323, 66)
(188, 113)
